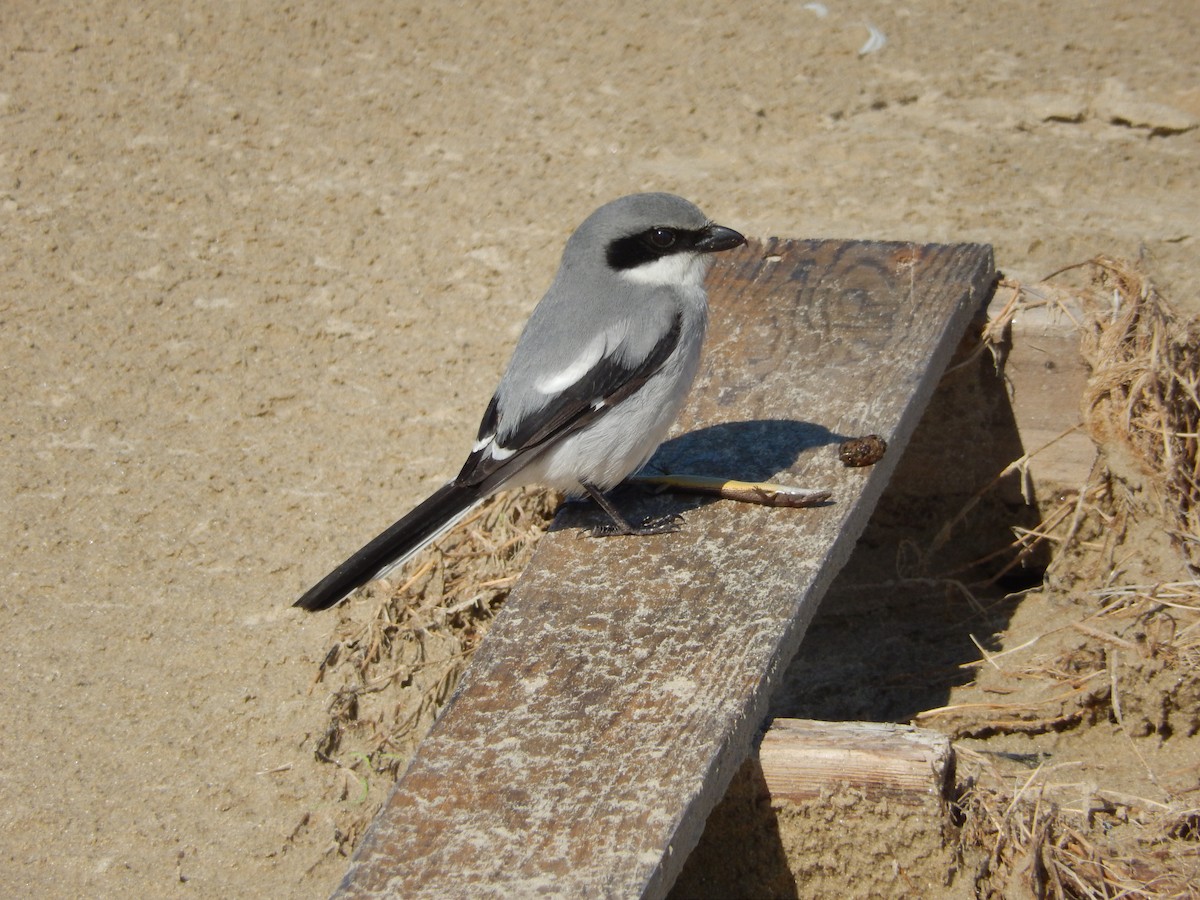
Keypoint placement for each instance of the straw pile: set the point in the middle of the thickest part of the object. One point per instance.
(396, 659)
(1120, 652)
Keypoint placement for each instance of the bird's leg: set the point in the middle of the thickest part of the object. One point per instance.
(621, 525)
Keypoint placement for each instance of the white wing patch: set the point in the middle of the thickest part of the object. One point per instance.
(559, 381)
(494, 450)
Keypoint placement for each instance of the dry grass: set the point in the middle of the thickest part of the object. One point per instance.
(1124, 652)
(395, 660)
(1035, 850)
(1143, 399)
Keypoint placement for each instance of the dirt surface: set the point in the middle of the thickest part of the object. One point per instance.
(262, 265)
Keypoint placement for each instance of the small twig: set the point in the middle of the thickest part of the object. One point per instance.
(1076, 516)
(764, 493)
(284, 767)
(1104, 636)
(1113, 665)
(992, 657)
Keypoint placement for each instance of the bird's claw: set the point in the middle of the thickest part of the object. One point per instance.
(668, 524)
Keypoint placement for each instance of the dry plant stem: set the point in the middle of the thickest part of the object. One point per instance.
(1027, 539)
(1077, 515)
(763, 493)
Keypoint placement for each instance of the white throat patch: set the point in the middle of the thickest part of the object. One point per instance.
(677, 270)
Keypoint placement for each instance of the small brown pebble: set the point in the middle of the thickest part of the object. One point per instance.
(862, 451)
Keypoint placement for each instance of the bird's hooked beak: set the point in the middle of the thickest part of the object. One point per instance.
(714, 238)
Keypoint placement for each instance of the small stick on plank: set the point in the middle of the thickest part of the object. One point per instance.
(761, 492)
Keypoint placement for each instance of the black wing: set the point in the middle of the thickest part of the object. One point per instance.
(601, 388)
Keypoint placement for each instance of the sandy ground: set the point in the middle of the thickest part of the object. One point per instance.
(261, 267)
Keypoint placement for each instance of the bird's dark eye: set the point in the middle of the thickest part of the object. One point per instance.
(662, 238)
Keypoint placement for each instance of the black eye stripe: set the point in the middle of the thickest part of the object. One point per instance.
(647, 246)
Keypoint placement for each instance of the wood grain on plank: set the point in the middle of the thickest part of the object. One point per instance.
(801, 759)
(623, 683)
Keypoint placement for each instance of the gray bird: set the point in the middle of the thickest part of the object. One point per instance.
(597, 377)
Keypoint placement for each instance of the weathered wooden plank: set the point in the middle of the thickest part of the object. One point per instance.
(801, 758)
(621, 686)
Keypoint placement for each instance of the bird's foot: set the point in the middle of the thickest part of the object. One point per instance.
(653, 525)
(618, 524)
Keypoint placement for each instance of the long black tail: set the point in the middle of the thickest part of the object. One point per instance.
(428, 520)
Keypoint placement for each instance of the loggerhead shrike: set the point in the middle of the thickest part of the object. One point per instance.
(598, 376)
